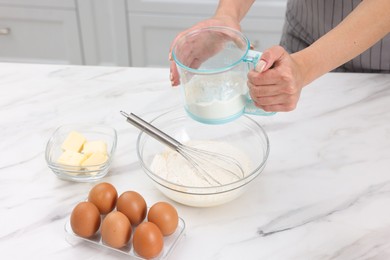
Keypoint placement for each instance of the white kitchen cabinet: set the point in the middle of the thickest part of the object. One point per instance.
(40, 3)
(36, 34)
(64, 31)
(153, 24)
(103, 28)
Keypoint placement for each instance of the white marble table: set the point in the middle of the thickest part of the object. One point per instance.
(324, 194)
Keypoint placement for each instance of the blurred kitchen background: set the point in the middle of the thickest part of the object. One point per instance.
(134, 33)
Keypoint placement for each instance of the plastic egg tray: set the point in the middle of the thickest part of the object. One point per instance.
(169, 241)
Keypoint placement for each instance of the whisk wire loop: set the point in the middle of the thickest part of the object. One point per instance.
(203, 162)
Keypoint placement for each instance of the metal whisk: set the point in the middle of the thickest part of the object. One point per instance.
(199, 159)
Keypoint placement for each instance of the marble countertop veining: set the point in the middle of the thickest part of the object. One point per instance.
(324, 194)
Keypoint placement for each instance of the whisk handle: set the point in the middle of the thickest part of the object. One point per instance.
(151, 130)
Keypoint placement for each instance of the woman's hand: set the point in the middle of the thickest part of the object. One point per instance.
(193, 57)
(276, 83)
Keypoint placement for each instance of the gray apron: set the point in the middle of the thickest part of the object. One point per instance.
(307, 20)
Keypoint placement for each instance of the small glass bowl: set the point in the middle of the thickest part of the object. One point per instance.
(80, 173)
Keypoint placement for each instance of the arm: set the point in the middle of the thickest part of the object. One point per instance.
(278, 85)
(233, 9)
(365, 26)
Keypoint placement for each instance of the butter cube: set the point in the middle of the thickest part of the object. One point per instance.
(69, 157)
(73, 142)
(93, 160)
(95, 147)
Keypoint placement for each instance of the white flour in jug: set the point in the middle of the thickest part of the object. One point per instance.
(217, 96)
(172, 167)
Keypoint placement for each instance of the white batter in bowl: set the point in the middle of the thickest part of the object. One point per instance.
(244, 139)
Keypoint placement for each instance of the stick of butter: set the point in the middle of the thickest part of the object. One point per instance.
(73, 142)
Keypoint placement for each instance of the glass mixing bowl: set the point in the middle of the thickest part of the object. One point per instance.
(243, 133)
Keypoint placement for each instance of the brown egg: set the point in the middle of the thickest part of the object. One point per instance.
(148, 241)
(104, 196)
(85, 219)
(116, 229)
(133, 205)
(165, 216)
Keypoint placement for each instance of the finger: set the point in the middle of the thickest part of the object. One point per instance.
(195, 64)
(269, 58)
(286, 100)
(276, 103)
(269, 77)
(277, 108)
(174, 74)
(179, 36)
(184, 53)
(264, 90)
(170, 58)
(260, 66)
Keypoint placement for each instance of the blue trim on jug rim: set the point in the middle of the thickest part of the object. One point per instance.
(202, 71)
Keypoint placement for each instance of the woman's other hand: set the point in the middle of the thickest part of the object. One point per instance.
(216, 21)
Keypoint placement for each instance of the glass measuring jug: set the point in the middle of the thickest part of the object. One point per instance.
(213, 64)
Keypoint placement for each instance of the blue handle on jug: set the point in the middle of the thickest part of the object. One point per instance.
(253, 58)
